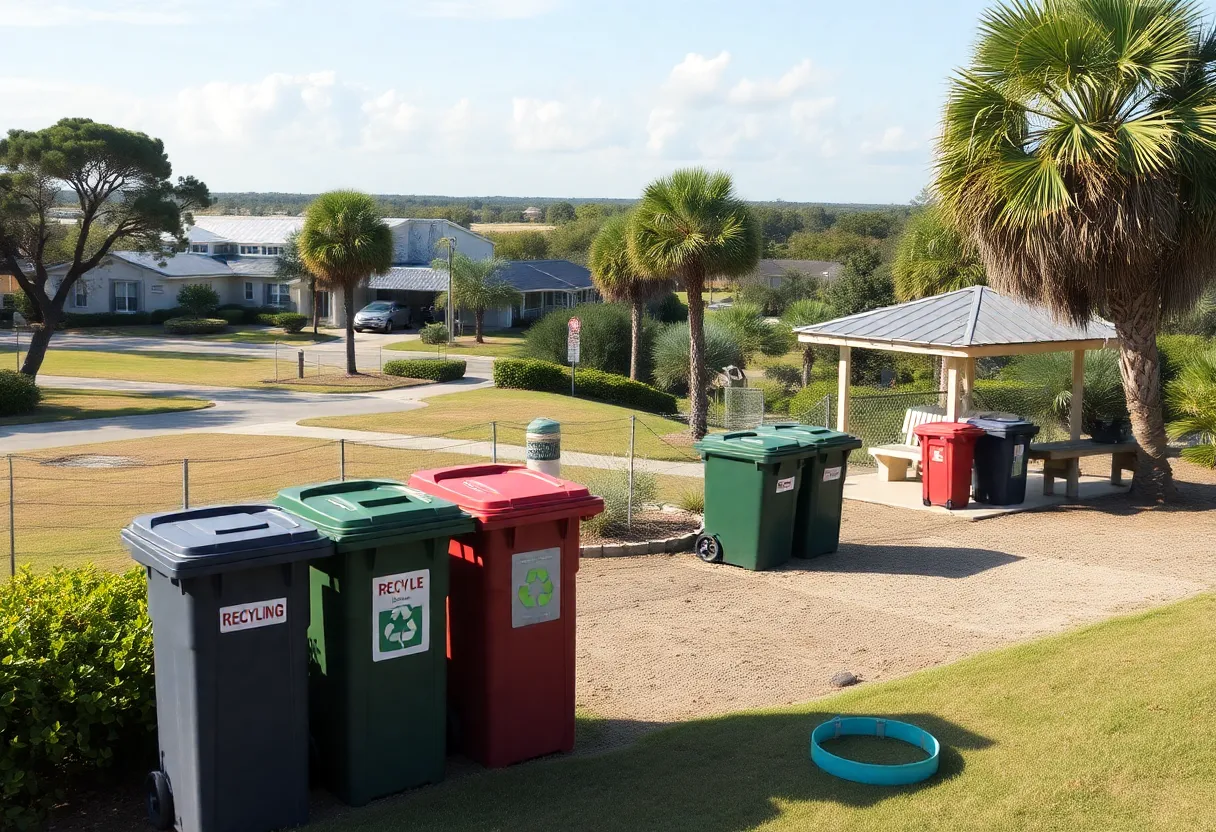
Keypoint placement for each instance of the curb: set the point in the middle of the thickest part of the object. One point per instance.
(669, 545)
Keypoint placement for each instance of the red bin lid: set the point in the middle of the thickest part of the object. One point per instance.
(494, 490)
(943, 429)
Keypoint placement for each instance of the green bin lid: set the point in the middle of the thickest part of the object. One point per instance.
(753, 445)
(355, 509)
(813, 436)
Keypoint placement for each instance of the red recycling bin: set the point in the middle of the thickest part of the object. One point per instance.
(511, 609)
(947, 450)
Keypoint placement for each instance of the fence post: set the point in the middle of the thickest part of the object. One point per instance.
(827, 410)
(12, 522)
(493, 441)
(342, 460)
(300, 364)
(185, 483)
(633, 429)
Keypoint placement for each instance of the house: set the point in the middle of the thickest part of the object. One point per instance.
(236, 256)
(771, 271)
(533, 214)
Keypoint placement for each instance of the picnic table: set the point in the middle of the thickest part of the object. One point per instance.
(1063, 460)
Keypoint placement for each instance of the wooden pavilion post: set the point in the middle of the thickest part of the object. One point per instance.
(844, 388)
(952, 385)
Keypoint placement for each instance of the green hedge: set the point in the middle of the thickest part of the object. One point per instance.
(195, 326)
(291, 321)
(80, 320)
(232, 316)
(432, 369)
(249, 314)
(18, 393)
(546, 377)
(76, 686)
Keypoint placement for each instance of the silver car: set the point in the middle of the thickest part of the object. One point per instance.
(383, 315)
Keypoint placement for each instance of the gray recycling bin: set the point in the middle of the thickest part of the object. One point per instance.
(228, 597)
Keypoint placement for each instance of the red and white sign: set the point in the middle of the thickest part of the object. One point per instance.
(572, 340)
(254, 615)
(575, 326)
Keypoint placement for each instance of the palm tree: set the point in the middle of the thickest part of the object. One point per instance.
(619, 280)
(289, 266)
(1192, 397)
(807, 313)
(1078, 152)
(932, 257)
(690, 226)
(477, 285)
(344, 242)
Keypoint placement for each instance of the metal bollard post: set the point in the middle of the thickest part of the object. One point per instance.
(276, 359)
(185, 483)
(493, 441)
(342, 460)
(300, 364)
(633, 430)
(544, 446)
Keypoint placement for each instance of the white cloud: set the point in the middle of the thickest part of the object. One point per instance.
(482, 9)
(769, 91)
(661, 126)
(559, 126)
(32, 104)
(389, 120)
(312, 108)
(894, 140)
(696, 78)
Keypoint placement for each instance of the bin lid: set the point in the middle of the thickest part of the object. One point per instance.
(946, 429)
(211, 539)
(496, 489)
(753, 445)
(1004, 424)
(358, 507)
(813, 436)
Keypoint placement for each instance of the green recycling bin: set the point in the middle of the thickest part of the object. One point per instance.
(751, 498)
(378, 634)
(821, 494)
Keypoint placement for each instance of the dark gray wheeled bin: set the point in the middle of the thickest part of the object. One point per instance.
(228, 597)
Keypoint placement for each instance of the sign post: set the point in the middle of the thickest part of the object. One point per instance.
(572, 347)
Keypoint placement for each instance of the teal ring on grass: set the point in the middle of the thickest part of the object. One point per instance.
(875, 774)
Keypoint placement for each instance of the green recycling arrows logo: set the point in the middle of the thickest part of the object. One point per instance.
(536, 590)
(400, 628)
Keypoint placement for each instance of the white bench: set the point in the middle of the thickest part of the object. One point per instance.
(894, 460)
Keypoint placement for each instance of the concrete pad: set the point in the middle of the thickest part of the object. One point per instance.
(868, 488)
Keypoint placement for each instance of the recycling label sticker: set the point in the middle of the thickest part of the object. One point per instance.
(786, 484)
(401, 615)
(1019, 460)
(536, 587)
(832, 474)
(937, 454)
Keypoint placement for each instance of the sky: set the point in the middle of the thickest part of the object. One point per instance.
(801, 100)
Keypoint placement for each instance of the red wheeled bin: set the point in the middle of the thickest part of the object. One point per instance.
(947, 452)
(511, 609)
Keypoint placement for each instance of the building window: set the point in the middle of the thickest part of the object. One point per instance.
(126, 296)
(533, 300)
(322, 301)
(251, 249)
(272, 250)
(198, 248)
(278, 294)
(248, 291)
(80, 295)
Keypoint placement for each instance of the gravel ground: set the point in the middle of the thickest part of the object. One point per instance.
(668, 638)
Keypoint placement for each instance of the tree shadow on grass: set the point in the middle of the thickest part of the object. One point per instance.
(716, 775)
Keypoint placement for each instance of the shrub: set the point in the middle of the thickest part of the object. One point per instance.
(692, 501)
(268, 318)
(433, 334)
(432, 369)
(198, 300)
(668, 309)
(195, 326)
(291, 321)
(76, 686)
(18, 393)
(752, 332)
(613, 486)
(546, 377)
(671, 354)
(80, 320)
(605, 338)
(789, 376)
(232, 316)
(1191, 398)
(776, 396)
(1051, 374)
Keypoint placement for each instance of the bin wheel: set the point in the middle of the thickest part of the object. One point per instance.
(709, 548)
(160, 800)
(950, 505)
(928, 502)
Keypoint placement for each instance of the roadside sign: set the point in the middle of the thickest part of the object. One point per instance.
(572, 340)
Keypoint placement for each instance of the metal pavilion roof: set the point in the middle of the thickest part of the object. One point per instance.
(972, 321)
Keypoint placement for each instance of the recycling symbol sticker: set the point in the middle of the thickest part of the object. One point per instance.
(536, 584)
(401, 614)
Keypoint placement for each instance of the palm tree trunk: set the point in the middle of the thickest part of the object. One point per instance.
(698, 397)
(635, 338)
(478, 319)
(1136, 320)
(316, 309)
(808, 363)
(348, 302)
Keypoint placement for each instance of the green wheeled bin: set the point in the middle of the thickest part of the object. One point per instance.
(821, 495)
(751, 498)
(378, 634)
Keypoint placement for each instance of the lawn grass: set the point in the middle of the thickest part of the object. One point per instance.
(508, 343)
(62, 405)
(235, 334)
(69, 516)
(1105, 728)
(184, 368)
(587, 426)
